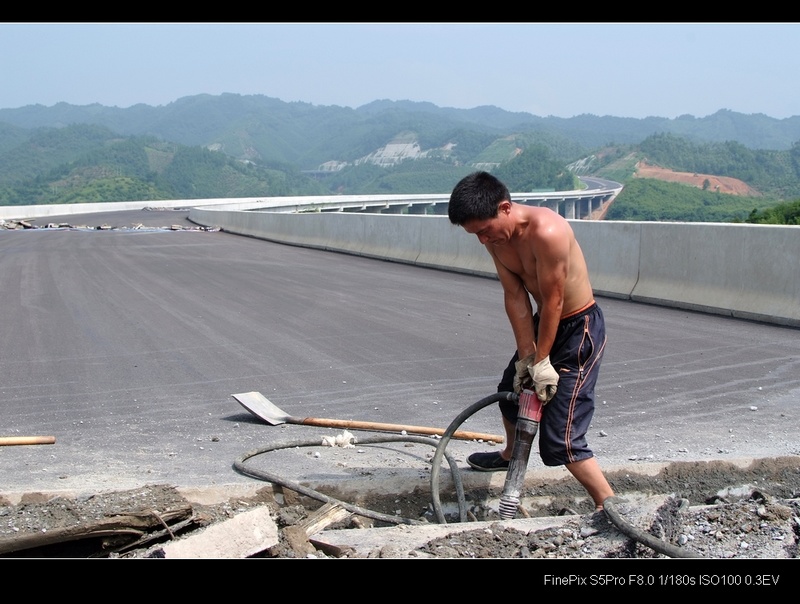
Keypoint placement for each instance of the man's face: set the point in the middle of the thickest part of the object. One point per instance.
(495, 231)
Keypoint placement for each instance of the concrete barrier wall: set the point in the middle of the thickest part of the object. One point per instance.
(429, 241)
(750, 271)
(743, 271)
(612, 254)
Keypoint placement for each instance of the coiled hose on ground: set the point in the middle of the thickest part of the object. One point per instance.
(609, 505)
(243, 468)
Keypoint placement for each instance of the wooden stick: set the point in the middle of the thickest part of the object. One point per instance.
(363, 425)
(27, 440)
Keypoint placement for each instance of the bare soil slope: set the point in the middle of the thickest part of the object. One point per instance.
(722, 184)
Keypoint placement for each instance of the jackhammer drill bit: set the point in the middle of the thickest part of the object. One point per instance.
(529, 416)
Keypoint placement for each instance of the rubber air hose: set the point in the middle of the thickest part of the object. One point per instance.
(243, 468)
(645, 538)
(442, 446)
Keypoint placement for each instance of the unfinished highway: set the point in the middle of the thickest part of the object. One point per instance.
(126, 345)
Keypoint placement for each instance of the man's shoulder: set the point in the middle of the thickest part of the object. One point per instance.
(541, 218)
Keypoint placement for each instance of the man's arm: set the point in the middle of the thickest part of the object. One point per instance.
(518, 308)
(551, 249)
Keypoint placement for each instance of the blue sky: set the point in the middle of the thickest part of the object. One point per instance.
(560, 69)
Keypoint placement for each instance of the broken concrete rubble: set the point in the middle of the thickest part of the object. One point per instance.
(20, 224)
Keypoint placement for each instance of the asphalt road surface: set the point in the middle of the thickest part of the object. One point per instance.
(126, 345)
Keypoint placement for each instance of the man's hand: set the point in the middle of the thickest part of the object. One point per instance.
(545, 380)
(524, 376)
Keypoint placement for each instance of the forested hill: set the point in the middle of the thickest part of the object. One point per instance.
(308, 135)
(231, 145)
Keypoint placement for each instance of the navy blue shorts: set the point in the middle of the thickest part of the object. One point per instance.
(576, 355)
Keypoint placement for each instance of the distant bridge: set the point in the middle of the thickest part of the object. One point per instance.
(573, 205)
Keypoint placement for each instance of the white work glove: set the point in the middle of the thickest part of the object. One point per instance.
(523, 378)
(545, 380)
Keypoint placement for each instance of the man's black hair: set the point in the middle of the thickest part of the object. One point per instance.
(476, 197)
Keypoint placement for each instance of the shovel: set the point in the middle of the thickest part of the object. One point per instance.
(260, 406)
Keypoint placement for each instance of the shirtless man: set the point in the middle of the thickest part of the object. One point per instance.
(561, 344)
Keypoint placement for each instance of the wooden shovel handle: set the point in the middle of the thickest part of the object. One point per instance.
(27, 440)
(356, 425)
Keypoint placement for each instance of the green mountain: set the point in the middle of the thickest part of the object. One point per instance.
(308, 135)
(247, 146)
(88, 163)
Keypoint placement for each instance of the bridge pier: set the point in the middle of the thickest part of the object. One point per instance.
(394, 208)
(569, 209)
(419, 208)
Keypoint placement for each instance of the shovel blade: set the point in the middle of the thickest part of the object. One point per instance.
(257, 404)
(260, 406)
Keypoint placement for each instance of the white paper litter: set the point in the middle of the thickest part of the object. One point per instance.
(345, 440)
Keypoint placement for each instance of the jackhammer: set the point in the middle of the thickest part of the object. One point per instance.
(529, 416)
